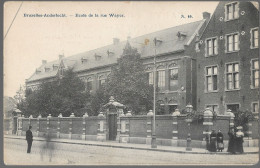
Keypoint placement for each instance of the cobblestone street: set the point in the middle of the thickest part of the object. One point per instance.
(63, 154)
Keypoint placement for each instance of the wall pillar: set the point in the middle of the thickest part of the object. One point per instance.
(20, 126)
(70, 128)
(101, 132)
(125, 127)
(207, 124)
(175, 115)
(149, 127)
(84, 126)
(48, 124)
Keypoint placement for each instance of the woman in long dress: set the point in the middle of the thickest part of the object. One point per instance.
(213, 140)
(231, 142)
(220, 144)
(239, 140)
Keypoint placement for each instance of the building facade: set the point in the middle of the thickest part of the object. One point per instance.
(227, 59)
(209, 63)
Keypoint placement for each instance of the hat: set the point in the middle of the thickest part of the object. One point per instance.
(239, 127)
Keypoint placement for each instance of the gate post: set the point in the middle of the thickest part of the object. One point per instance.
(84, 126)
(20, 125)
(175, 127)
(101, 132)
(149, 127)
(208, 124)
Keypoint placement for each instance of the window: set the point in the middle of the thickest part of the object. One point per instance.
(255, 107)
(213, 108)
(254, 38)
(173, 79)
(231, 11)
(101, 81)
(232, 76)
(150, 78)
(161, 79)
(89, 84)
(233, 107)
(255, 73)
(232, 41)
(211, 78)
(211, 47)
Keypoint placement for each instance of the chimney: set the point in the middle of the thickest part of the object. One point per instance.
(44, 62)
(206, 15)
(61, 56)
(116, 41)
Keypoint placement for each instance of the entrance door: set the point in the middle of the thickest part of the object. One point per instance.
(14, 125)
(112, 126)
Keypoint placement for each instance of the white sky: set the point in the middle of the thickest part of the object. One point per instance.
(31, 40)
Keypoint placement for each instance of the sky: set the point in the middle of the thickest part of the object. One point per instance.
(33, 39)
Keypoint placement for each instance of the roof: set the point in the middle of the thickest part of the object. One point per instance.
(110, 53)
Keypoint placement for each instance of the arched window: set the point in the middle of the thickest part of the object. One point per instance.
(90, 83)
(173, 77)
(101, 81)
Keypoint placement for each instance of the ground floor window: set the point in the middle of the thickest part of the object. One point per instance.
(172, 108)
(233, 107)
(255, 107)
(213, 108)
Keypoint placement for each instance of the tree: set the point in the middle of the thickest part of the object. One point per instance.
(128, 82)
(66, 95)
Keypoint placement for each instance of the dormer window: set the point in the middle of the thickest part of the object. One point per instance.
(231, 11)
(181, 35)
(55, 67)
(47, 69)
(84, 60)
(110, 53)
(97, 57)
(38, 71)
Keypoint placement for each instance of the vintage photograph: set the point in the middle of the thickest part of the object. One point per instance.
(131, 83)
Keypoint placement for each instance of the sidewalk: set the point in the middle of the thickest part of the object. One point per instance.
(113, 144)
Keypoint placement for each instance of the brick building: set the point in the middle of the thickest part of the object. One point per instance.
(209, 63)
(227, 59)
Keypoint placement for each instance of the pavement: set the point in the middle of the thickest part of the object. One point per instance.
(114, 144)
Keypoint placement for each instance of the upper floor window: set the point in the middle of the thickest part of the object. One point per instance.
(89, 84)
(212, 78)
(211, 47)
(231, 11)
(255, 73)
(232, 41)
(173, 79)
(150, 78)
(101, 81)
(255, 107)
(161, 79)
(232, 76)
(254, 38)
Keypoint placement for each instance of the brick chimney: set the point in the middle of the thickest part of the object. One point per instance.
(61, 56)
(206, 15)
(44, 62)
(116, 41)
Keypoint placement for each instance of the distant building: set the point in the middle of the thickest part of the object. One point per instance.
(209, 63)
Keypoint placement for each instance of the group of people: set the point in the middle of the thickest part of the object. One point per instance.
(235, 144)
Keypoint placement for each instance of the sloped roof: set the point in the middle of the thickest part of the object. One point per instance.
(170, 43)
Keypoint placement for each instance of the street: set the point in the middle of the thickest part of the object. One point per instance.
(75, 154)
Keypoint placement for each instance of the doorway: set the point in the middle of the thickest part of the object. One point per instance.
(112, 126)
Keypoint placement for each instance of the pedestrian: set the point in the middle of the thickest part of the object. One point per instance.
(213, 141)
(47, 148)
(231, 142)
(220, 144)
(207, 139)
(29, 139)
(239, 140)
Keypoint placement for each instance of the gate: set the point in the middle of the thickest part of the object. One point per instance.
(112, 126)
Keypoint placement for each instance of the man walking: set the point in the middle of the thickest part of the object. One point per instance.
(29, 138)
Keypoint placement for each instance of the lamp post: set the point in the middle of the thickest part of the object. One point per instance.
(189, 108)
(153, 143)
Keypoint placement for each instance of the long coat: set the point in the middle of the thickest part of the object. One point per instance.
(213, 140)
(239, 142)
(231, 142)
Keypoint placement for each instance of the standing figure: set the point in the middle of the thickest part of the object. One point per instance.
(207, 138)
(239, 140)
(231, 142)
(213, 140)
(29, 139)
(220, 144)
